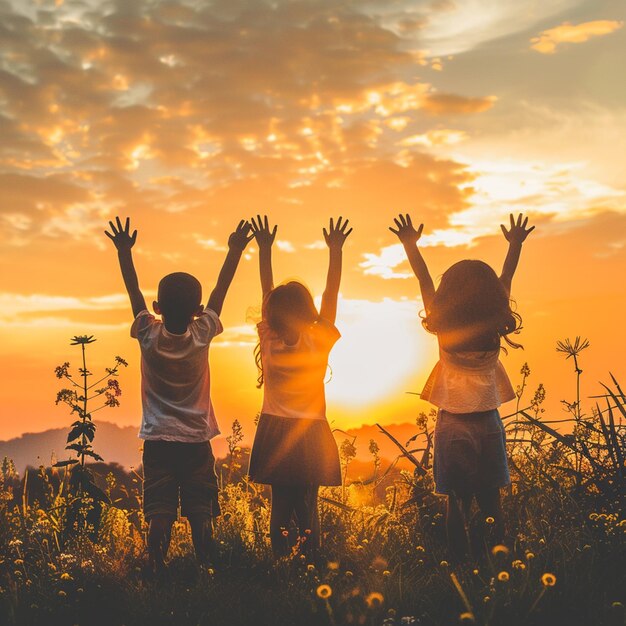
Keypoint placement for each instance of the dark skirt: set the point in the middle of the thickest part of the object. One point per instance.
(470, 453)
(294, 451)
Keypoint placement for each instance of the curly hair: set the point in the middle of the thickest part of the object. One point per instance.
(471, 309)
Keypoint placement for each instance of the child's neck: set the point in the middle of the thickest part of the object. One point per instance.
(176, 327)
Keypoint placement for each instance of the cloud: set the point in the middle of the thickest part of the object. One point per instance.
(450, 104)
(164, 106)
(548, 40)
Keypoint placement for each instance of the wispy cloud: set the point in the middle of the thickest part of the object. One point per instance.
(548, 40)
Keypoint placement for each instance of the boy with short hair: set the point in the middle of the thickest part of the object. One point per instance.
(178, 419)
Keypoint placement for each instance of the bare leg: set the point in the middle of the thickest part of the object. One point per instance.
(280, 519)
(457, 515)
(159, 535)
(490, 506)
(202, 537)
(308, 518)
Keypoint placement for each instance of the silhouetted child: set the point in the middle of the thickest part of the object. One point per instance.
(294, 450)
(469, 312)
(178, 419)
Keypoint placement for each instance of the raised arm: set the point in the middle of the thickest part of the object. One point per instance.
(237, 243)
(264, 239)
(335, 237)
(516, 236)
(409, 237)
(124, 241)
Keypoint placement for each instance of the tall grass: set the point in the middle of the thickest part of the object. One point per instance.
(383, 558)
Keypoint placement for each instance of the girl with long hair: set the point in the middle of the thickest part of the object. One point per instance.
(294, 450)
(470, 312)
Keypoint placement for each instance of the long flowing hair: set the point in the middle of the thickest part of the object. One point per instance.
(285, 308)
(471, 307)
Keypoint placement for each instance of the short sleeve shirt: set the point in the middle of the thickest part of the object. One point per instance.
(175, 381)
(468, 382)
(294, 374)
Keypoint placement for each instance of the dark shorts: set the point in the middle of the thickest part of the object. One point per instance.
(173, 470)
(294, 451)
(470, 453)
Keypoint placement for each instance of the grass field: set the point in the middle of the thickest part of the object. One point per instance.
(383, 558)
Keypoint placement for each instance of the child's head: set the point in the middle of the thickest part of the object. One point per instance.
(179, 298)
(470, 305)
(289, 307)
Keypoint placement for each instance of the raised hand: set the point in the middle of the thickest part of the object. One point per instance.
(240, 237)
(405, 231)
(120, 235)
(518, 232)
(261, 231)
(336, 234)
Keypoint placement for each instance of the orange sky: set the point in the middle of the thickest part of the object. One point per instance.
(188, 117)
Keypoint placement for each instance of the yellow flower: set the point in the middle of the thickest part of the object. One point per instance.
(444, 564)
(499, 549)
(333, 565)
(490, 520)
(65, 576)
(467, 618)
(324, 592)
(310, 567)
(548, 580)
(374, 600)
(348, 574)
(386, 573)
(62, 593)
(503, 577)
(517, 564)
(529, 556)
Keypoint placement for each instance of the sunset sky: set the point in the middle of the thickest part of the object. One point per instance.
(190, 115)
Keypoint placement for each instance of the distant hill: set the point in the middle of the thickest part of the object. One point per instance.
(119, 444)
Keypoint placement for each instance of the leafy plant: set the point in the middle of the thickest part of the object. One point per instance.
(85, 497)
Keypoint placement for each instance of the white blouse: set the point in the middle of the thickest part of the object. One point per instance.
(468, 382)
(294, 374)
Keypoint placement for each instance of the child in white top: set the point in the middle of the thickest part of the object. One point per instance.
(294, 450)
(178, 419)
(470, 313)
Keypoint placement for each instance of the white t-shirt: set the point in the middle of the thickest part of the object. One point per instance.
(468, 382)
(294, 374)
(175, 383)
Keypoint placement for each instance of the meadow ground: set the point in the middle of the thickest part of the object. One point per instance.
(383, 559)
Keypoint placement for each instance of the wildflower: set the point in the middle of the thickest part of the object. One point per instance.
(475, 572)
(82, 339)
(499, 549)
(386, 573)
(349, 574)
(572, 350)
(324, 592)
(529, 556)
(503, 577)
(420, 549)
(374, 600)
(444, 564)
(62, 593)
(120, 361)
(467, 618)
(62, 370)
(517, 564)
(525, 371)
(490, 520)
(548, 580)
(285, 533)
(19, 562)
(333, 565)
(65, 576)
(487, 599)
(310, 567)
